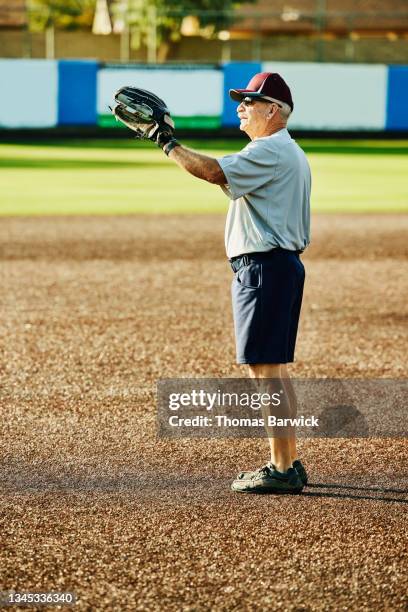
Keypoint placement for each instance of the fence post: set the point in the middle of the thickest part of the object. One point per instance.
(256, 42)
(125, 43)
(152, 35)
(26, 46)
(320, 23)
(50, 42)
(349, 50)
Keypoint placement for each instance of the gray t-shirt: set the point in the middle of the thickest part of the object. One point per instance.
(269, 186)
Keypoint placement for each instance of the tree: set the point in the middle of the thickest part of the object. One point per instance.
(161, 21)
(63, 14)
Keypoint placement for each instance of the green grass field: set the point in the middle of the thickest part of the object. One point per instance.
(125, 176)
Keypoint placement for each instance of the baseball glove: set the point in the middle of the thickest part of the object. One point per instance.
(144, 113)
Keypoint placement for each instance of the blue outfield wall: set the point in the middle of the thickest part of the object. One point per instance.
(397, 98)
(77, 94)
(341, 97)
(236, 76)
(378, 102)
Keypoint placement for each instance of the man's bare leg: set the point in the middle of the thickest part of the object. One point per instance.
(290, 392)
(281, 448)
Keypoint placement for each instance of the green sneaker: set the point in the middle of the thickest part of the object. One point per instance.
(299, 467)
(268, 480)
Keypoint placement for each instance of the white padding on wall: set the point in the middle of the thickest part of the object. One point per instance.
(335, 96)
(29, 93)
(186, 92)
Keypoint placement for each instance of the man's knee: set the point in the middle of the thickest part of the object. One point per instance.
(265, 370)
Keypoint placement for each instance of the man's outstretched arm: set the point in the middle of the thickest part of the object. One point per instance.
(148, 116)
(203, 167)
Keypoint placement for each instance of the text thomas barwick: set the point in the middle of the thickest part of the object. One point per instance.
(224, 421)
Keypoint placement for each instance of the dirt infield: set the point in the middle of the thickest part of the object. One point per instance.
(95, 310)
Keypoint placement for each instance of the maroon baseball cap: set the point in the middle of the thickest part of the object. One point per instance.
(264, 85)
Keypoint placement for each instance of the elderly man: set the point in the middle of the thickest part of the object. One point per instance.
(267, 228)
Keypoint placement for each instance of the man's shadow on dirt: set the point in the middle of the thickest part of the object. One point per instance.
(355, 488)
(158, 485)
(346, 421)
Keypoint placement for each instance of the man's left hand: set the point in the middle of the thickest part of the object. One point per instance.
(144, 113)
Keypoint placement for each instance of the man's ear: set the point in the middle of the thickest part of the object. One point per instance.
(272, 111)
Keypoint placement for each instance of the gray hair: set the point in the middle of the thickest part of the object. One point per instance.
(284, 110)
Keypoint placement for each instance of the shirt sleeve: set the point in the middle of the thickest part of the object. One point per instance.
(249, 169)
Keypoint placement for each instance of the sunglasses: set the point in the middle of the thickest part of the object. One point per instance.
(251, 101)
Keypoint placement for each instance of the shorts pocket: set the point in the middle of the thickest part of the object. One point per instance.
(250, 276)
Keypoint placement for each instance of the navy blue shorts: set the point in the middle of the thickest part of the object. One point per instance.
(267, 292)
